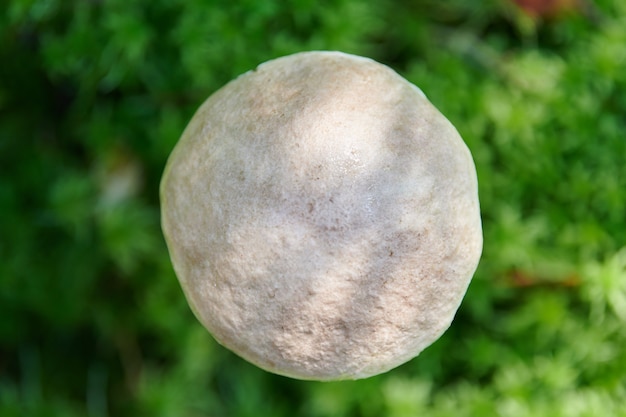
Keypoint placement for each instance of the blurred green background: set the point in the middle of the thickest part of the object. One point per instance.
(94, 95)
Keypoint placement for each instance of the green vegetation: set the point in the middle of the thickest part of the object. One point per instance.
(95, 94)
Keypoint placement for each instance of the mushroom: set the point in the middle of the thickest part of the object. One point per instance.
(322, 217)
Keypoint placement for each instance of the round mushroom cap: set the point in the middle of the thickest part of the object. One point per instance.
(322, 217)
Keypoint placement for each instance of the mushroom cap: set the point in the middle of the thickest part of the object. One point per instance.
(322, 217)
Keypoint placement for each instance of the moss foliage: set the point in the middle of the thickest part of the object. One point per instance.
(93, 97)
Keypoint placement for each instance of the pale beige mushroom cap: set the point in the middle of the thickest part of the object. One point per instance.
(322, 217)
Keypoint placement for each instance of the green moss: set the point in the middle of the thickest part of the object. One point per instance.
(93, 97)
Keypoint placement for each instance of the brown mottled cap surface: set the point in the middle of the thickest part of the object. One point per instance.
(322, 217)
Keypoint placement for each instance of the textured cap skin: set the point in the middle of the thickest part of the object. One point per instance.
(322, 217)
